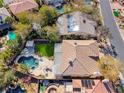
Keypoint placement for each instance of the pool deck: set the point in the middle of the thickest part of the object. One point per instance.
(44, 63)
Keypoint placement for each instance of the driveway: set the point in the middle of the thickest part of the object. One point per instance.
(110, 23)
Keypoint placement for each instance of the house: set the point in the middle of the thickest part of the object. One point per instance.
(22, 5)
(76, 23)
(4, 13)
(76, 58)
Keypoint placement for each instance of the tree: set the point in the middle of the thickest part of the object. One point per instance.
(1, 3)
(110, 68)
(48, 14)
(103, 33)
(5, 55)
(78, 5)
(9, 20)
(6, 75)
(35, 18)
(22, 29)
(50, 32)
(23, 17)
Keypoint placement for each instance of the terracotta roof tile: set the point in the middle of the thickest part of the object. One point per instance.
(22, 5)
(79, 57)
(97, 88)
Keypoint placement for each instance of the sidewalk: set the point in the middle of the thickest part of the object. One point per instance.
(117, 6)
(120, 8)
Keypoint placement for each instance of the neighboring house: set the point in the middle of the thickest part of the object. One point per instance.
(76, 23)
(53, 1)
(76, 58)
(5, 26)
(75, 86)
(6, 2)
(90, 86)
(4, 29)
(22, 5)
(4, 13)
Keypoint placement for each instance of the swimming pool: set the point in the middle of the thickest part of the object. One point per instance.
(30, 61)
(60, 9)
(88, 1)
(12, 35)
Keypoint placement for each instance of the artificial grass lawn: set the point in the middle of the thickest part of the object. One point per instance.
(45, 49)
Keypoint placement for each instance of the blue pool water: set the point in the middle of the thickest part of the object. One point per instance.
(88, 1)
(60, 10)
(12, 35)
(30, 62)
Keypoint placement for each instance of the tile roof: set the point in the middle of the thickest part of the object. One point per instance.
(98, 86)
(79, 57)
(4, 26)
(22, 5)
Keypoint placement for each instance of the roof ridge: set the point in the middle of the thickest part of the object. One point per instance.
(89, 46)
(83, 66)
(69, 66)
(96, 86)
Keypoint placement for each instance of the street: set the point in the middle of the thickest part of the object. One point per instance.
(108, 18)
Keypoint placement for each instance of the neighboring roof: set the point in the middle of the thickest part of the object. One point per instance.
(4, 26)
(4, 13)
(30, 44)
(76, 23)
(22, 5)
(79, 57)
(53, 1)
(8, 1)
(90, 86)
